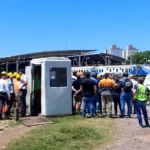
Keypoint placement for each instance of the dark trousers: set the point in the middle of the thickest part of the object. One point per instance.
(116, 103)
(3, 99)
(22, 102)
(141, 106)
(100, 103)
(73, 109)
(10, 103)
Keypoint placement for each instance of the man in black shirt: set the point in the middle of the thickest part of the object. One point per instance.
(89, 89)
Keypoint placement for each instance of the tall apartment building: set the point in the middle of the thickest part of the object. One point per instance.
(114, 50)
(130, 50)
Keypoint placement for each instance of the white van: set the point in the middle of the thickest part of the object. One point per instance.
(147, 81)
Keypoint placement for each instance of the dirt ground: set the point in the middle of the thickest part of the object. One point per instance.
(9, 134)
(129, 136)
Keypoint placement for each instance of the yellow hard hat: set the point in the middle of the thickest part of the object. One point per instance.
(18, 76)
(9, 74)
(4, 73)
(14, 74)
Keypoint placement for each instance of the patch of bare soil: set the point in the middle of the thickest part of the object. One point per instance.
(12, 133)
(130, 137)
(10, 130)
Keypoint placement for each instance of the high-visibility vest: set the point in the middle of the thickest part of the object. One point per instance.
(16, 86)
(141, 93)
(4, 108)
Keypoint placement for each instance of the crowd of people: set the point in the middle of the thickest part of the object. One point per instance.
(97, 94)
(94, 92)
(13, 87)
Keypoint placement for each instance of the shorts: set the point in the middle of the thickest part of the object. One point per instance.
(77, 99)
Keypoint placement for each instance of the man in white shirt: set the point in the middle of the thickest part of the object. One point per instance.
(4, 92)
(12, 94)
(23, 93)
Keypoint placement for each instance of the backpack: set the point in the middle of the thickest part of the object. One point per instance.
(127, 84)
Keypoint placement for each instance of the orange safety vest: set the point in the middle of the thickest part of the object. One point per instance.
(4, 108)
(14, 80)
(16, 86)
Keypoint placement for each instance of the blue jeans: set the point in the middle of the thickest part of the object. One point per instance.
(125, 97)
(87, 101)
(94, 103)
(141, 105)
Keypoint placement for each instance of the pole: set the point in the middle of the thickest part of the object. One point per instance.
(66, 39)
(17, 66)
(79, 60)
(6, 66)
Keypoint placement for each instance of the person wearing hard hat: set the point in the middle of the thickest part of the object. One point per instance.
(9, 74)
(4, 91)
(12, 94)
(4, 73)
(14, 75)
(17, 84)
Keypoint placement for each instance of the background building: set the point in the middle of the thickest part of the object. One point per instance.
(114, 50)
(130, 50)
(123, 53)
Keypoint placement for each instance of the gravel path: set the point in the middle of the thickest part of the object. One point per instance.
(131, 137)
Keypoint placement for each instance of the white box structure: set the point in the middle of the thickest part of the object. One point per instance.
(56, 92)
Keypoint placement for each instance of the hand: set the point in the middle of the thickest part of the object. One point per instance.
(75, 94)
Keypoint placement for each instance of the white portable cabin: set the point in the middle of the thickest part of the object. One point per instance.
(147, 81)
(56, 93)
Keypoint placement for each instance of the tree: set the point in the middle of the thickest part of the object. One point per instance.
(140, 57)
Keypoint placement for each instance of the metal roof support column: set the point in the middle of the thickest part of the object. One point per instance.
(79, 60)
(109, 61)
(6, 66)
(105, 62)
(17, 66)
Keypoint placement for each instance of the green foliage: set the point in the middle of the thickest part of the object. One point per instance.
(68, 133)
(140, 57)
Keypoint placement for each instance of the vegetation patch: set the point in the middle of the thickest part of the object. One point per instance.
(68, 133)
(4, 124)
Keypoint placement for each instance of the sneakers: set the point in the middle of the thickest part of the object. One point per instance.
(139, 126)
(147, 125)
(121, 116)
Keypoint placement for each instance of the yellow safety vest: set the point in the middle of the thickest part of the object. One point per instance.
(141, 93)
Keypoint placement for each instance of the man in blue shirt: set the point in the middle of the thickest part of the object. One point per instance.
(126, 94)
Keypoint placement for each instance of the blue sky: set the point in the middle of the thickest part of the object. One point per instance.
(40, 25)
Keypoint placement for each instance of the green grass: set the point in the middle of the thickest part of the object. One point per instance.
(9, 123)
(68, 133)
